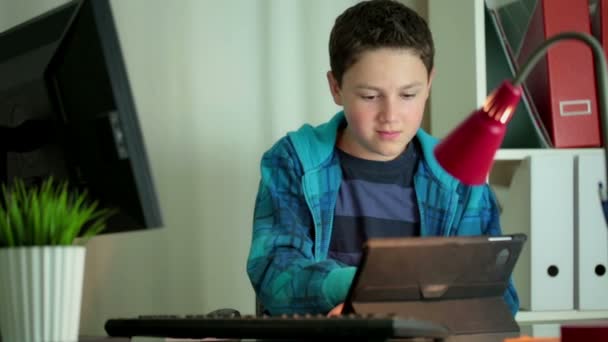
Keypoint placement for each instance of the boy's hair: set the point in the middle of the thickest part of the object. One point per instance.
(375, 24)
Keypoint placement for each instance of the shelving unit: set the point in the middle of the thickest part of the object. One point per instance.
(520, 154)
(559, 317)
(459, 87)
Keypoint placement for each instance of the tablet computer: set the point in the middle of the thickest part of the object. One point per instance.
(457, 281)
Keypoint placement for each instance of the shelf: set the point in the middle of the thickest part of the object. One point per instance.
(552, 317)
(522, 153)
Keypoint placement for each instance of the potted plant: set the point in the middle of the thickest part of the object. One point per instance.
(41, 263)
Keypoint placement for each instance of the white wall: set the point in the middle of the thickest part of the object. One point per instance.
(215, 83)
(459, 86)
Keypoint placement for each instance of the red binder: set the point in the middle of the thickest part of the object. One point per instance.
(562, 85)
(600, 23)
(585, 332)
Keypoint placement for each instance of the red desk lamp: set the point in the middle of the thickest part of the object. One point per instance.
(467, 153)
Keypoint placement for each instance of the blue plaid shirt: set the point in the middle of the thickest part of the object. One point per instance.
(293, 218)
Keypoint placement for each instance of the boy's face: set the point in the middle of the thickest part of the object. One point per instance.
(383, 95)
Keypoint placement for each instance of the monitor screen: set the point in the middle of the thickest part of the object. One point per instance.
(66, 111)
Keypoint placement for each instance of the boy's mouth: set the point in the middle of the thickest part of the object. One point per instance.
(389, 135)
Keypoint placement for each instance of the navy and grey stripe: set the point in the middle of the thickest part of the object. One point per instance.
(385, 201)
(376, 199)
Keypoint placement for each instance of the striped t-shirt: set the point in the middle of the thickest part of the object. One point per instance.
(376, 199)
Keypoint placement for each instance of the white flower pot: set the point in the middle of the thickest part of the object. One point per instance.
(41, 293)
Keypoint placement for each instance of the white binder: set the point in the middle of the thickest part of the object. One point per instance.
(541, 330)
(540, 204)
(591, 235)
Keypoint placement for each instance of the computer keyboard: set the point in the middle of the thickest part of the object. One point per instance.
(275, 327)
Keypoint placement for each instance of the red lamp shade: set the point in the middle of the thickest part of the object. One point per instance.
(467, 153)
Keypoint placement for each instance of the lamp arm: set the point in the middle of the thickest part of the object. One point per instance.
(601, 74)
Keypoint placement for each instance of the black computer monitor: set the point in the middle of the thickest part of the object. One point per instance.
(66, 110)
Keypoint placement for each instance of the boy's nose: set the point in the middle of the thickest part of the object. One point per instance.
(388, 112)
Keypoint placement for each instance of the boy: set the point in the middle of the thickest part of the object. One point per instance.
(368, 172)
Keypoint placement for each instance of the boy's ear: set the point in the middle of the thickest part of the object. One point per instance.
(428, 86)
(334, 87)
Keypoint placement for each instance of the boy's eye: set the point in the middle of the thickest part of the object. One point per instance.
(408, 96)
(368, 97)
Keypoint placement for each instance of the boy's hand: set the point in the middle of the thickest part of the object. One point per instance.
(337, 311)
